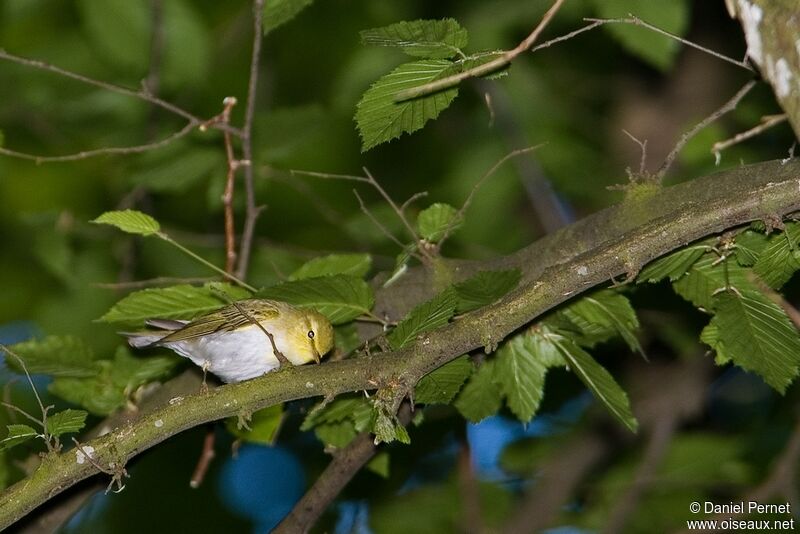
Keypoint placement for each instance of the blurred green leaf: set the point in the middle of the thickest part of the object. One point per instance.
(356, 408)
(279, 12)
(379, 118)
(756, 334)
(431, 39)
(485, 288)
(261, 428)
(65, 422)
(130, 221)
(434, 221)
(780, 259)
(17, 434)
(380, 464)
(340, 297)
(480, 397)
(55, 356)
(120, 32)
(520, 376)
(657, 50)
(175, 302)
(425, 317)
(187, 53)
(180, 171)
(336, 435)
(129, 371)
(357, 265)
(441, 385)
(346, 338)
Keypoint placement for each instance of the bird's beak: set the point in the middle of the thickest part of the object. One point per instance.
(316, 355)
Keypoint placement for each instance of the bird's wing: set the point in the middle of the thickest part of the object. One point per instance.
(232, 317)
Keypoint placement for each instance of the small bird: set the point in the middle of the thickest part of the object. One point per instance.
(230, 344)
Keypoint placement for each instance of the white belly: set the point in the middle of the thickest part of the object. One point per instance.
(233, 356)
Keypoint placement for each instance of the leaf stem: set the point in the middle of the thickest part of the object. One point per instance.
(205, 262)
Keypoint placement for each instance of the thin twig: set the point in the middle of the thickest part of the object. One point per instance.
(465, 206)
(205, 262)
(227, 196)
(252, 211)
(329, 176)
(376, 222)
(136, 149)
(767, 122)
(729, 106)
(412, 199)
(485, 68)
(394, 206)
(21, 412)
(207, 454)
(152, 282)
(141, 95)
(42, 407)
(278, 354)
(636, 21)
(567, 36)
(642, 148)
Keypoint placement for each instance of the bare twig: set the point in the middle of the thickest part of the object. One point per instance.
(376, 222)
(152, 282)
(278, 354)
(413, 198)
(42, 407)
(227, 196)
(394, 205)
(468, 201)
(729, 106)
(141, 94)
(485, 68)
(122, 150)
(567, 36)
(207, 454)
(767, 122)
(636, 21)
(642, 148)
(252, 211)
(329, 176)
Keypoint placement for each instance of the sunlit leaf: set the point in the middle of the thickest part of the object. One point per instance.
(520, 376)
(262, 426)
(340, 297)
(433, 39)
(17, 434)
(436, 220)
(130, 221)
(55, 356)
(65, 422)
(480, 397)
(357, 265)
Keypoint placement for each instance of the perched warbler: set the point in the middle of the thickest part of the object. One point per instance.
(228, 343)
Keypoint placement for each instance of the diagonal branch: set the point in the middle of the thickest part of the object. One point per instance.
(613, 242)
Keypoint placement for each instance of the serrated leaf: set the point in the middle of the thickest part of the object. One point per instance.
(480, 397)
(595, 377)
(424, 318)
(353, 408)
(55, 356)
(674, 265)
(707, 276)
(97, 394)
(520, 376)
(339, 297)
(175, 302)
(279, 12)
(357, 265)
(379, 118)
(710, 336)
(130, 221)
(485, 288)
(65, 422)
(433, 39)
(658, 50)
(756, 335)
(17, 434)
(262, 426)
(749, 245)
(388, 429)
(603, 314)
(780, 259)
(434, 221)
(441, 385)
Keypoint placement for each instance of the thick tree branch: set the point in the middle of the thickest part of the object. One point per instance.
(613, 242)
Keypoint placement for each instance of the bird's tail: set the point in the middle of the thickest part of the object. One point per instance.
(150, 338)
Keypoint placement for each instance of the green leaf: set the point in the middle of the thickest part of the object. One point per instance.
(279, 12)
(346, 338)
(658, 50)
(435, 221)
(520, 376)
(441, 385)
(129, 372)
(380, 464)
(425, 317)
(707, 276)
(594, 376)
(55, 356)
(749, 245)
(780, 259)
(485, 288)
(130, 221)
(340, 297)
(97, 394)
(710, 336)
(65, 422)
(177, 172)
(674, 265)
(263, 425)
(357, 265)
(379, 118)
(17, 434)
(432, 39)
(603, 314)
(387, 428)
(175, 302)
(756, 335)
(336, 435)
(357, 409)
(119, 31)
(481, 396)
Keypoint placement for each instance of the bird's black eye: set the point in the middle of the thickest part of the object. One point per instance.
(310, 334)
